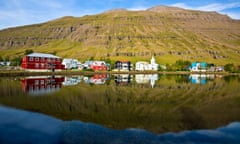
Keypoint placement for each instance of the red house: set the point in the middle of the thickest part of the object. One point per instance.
(40, 85)
(98, 66)
(42, 62)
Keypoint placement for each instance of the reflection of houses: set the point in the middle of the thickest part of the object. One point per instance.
(71, 64)
(42, 84)
(142, 66)
(146, 78)
(74, 80)
(42, 62)
(123, 66)
(200, 78)
(123, 79)
(96, 79)
(198, 67)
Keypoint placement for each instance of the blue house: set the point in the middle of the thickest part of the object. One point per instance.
(198, 67)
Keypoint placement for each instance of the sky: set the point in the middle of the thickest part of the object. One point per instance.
(24, 12)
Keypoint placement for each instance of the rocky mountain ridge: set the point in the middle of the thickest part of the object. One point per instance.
(168, 32)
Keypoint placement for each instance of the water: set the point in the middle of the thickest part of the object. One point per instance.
(153, 104)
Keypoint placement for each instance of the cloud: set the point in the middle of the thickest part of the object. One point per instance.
(181, 5)
(234, 15)
(209, 7)
(137, 8)
(219, 7)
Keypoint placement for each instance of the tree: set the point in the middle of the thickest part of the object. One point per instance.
(28, 51)
(6, 58)
(92, 58)
(229, 67)
(16, 61)
(182, 65)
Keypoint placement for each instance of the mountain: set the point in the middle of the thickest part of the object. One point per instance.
(169, 33)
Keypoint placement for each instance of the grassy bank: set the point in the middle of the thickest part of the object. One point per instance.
(13, 73)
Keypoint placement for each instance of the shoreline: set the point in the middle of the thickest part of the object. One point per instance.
(6, 73)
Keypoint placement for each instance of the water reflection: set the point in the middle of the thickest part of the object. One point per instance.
(201, 78)
(123, 79)
(72, 80)
(129, 101)
(27, 127)
(96, 79)
(146, 78)
(40, 85)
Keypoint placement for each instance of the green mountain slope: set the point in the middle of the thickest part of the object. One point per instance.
(167, 32)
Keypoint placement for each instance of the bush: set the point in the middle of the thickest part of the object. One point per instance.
(229, 67)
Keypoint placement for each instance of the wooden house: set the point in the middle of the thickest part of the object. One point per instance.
(42, 62)
(123, 66)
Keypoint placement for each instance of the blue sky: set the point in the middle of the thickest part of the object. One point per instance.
(23, 12)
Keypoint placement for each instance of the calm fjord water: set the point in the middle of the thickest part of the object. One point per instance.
(156, 103)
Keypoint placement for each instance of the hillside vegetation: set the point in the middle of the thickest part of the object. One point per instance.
(169, 33)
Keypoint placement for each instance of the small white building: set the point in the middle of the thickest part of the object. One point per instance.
(144, 66)
(71, 63)
(5, 63)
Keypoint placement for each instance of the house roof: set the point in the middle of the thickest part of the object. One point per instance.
(142, 62)
(98, 63)
(42, 55)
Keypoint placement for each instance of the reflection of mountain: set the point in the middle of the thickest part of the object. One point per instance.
(123, 79)
(169, 107)
(145, 78)
(27, 127)
(97, 79)
(74, 80)
(39, 85)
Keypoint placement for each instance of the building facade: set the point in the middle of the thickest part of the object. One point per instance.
(145, 66)
(71, 63)
(98, 66)
(42, 62)
(123, 66)
(198, 67)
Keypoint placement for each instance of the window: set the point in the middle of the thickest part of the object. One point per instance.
(36, 65)
(36, 82)
(37, 59)
(42, 65)
(42, 59)
(42, 82)
(30, 58)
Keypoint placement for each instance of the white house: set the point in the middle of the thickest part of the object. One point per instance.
(5, 63)
(143, 66)
(71, 63)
